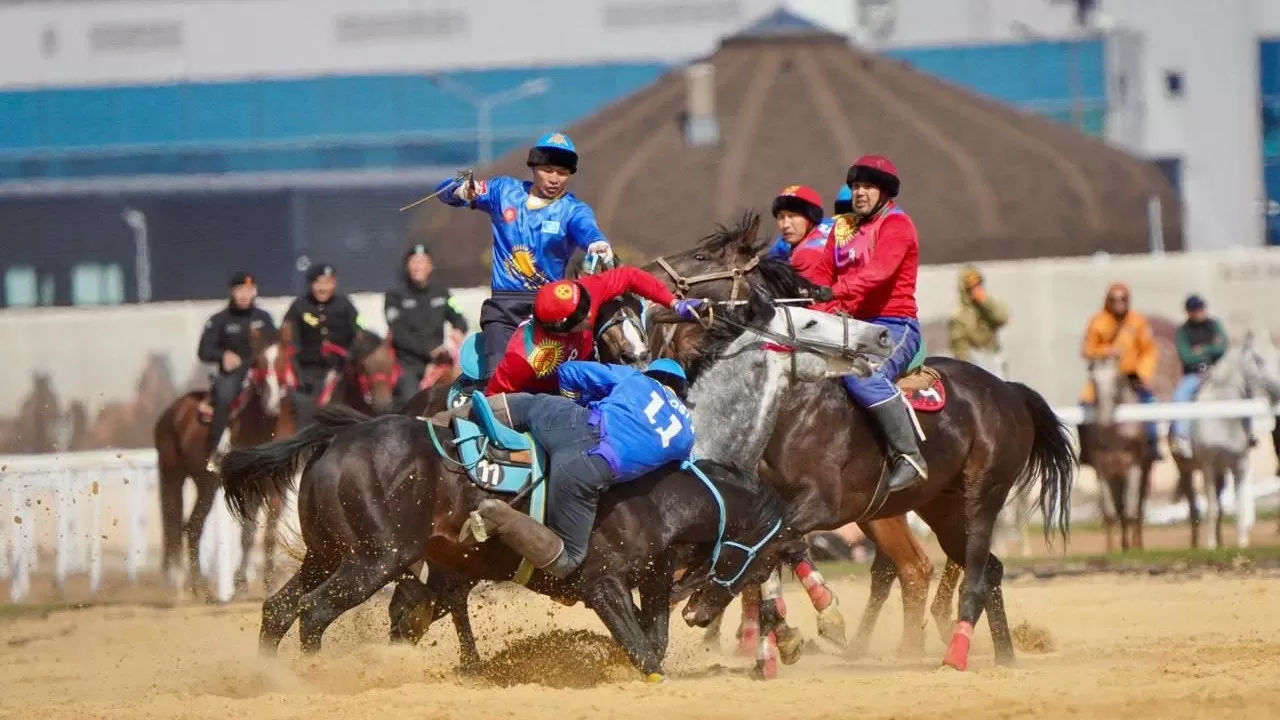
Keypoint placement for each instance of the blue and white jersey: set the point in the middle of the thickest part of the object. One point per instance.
(532, 241)
(642, 424)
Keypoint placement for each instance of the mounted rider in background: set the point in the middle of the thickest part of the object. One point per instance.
(802, 228)
(619, 425)
(416, 311)
(226, 343)
(1121, 332)
(536, 227)
(1201, 342)
(870, 270)
(322, 326)
(563, 326)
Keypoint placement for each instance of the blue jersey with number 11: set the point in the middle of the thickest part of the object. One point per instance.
(643, 425)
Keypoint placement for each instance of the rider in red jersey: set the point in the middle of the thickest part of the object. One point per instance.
(563, 324)
(870, 271)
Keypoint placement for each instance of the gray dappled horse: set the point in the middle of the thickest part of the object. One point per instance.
(1120, 455)
(1221, 445)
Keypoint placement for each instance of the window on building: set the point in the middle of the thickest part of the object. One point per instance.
(97, 284)
(20, 287)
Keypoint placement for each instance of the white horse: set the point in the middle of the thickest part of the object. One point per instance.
(1221, 445)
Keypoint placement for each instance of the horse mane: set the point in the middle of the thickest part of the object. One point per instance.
(724, 236)
(765, 503)
(781, 279)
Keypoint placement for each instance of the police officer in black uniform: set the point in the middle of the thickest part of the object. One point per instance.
(321, 316)
(416, 311)
(225, 342)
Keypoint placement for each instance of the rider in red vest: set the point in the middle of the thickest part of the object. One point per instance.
(563, 326)
(870, 268)
(802, 228)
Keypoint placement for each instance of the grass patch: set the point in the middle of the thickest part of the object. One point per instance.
(23, 611)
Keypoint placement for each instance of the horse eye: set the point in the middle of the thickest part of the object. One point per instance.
(700, 257)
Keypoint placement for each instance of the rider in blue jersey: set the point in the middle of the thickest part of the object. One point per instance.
(536, 226)
(615, 424)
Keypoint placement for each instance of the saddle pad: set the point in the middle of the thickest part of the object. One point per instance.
(471, 357)
(929, 398)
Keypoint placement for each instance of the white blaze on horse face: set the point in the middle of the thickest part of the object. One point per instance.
(635, 338)
(271, 398)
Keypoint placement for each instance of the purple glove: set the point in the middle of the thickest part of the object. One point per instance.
(687, 309)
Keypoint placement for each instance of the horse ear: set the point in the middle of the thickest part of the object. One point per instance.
(760, 309)
(750, 232)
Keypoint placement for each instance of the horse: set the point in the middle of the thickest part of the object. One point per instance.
(181, 434)
(1120, 454)
(1221, 445)
(984, 438)
(417, 500)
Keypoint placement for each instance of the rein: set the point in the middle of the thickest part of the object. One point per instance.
(751, 551)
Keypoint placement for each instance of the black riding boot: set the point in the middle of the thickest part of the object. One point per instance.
(908, 468)
(535, 542)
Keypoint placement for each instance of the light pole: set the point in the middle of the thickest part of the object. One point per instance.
(484, 105)
(137, 222)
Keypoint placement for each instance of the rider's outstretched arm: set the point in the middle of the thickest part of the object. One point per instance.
(585, 382)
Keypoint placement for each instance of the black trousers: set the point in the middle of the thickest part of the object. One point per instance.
(499, 316)
(226, 386)
(577, 479)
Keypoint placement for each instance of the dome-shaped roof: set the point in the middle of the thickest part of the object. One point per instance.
(982, 181)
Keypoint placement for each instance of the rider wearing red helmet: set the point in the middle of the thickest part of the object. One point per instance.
(870, 268)
(802, 227)
(563, 323)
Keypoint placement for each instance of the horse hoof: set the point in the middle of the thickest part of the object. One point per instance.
(790, 645)
(831, 627)
(473, 528)
(655, 678)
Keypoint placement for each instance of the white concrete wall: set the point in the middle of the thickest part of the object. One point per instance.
(96, 355)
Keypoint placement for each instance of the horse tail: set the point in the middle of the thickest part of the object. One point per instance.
(1052, 459)
(251, 475)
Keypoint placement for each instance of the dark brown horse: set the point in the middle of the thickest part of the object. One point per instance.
(828, 460)
(366, 380)
(258, 414)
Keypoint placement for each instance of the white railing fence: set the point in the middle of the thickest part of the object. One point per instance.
(96, 513)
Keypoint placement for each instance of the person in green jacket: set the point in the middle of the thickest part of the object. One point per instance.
(1201, 342)
(973, 327)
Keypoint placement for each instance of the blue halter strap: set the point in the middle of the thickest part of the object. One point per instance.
(721, 543)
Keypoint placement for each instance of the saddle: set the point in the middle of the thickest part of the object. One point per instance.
(204, 410)
(495, 458)
(921, 385)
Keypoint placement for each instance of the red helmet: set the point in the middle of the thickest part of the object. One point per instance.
(878, 171)
(560, 306)
(800, 199)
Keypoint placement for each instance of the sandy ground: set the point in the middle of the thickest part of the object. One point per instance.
(1117, 647)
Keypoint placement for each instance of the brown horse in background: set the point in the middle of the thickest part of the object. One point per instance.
(259, 414)
(1120, 455)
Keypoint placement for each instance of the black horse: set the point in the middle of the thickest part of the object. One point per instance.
(376, 497)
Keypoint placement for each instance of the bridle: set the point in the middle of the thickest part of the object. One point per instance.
(737, 274)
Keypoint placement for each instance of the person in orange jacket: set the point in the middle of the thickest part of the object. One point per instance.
(1119, 331)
